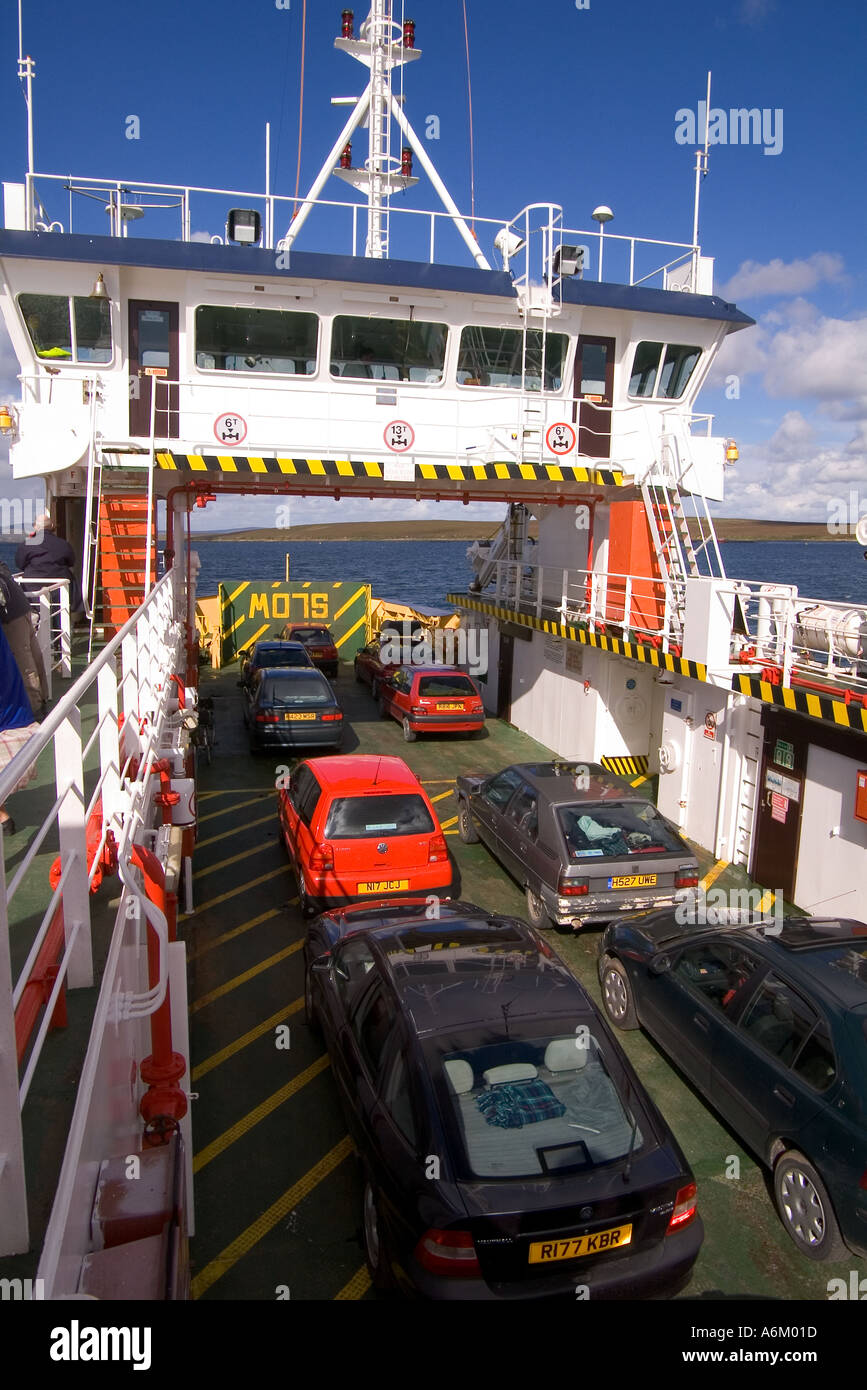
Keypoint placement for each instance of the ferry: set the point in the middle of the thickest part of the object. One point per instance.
(151, 942)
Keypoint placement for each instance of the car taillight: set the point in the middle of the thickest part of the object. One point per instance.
(477, 709)
(863, 1183)
(437, 852)
(448, 1252)
(686, 880)
(685, 1206)
(338, 714)
(267, 719)
(573, 887)
(418, 709)
(322, 857)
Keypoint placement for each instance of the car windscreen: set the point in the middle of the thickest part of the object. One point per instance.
(319, 636)
(363, 817)
(613, 829)
(532, 1098)
(446, 687)
(298, 690)
(282, 656)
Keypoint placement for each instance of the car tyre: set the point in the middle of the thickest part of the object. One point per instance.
(537, 913)
(310, 1013)
(466, 829)
(409, 734)
(805, 1208)
(617, 996)
(304, 906)
(375, 1247)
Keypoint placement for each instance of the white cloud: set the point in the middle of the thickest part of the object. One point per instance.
(752, 280)
(755, 12)
(200, 236)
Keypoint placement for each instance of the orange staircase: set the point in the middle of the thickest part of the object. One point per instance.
(123, 543)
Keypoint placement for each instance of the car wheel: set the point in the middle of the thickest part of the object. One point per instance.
(409, 734)
(309, 1007)
(805, 1208)
(617, 996)
(466, 829)
(536, 911)
(303, 901)
(375, 1248)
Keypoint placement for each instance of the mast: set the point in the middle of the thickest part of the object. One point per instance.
(383, 45)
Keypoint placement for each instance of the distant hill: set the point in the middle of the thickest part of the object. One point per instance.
(727, 528)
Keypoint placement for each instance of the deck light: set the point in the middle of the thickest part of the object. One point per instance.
(347, 18)
(244, 226)
(508, 244)
(406, 162)
(568, 260)
(409, 33)
(732, 453)
(346, 156)
(99, 290)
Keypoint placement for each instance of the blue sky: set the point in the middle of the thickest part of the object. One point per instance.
(573, 105)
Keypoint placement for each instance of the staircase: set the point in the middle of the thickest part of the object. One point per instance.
(123, 555)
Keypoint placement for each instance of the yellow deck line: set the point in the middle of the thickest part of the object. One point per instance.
(238, 980)
(436, 781)
(349, 602)
(226, 834)
(235, 859)
(237, 931)
(346, 636)
(232, 1048)
(212, 815)
(441, 795)
(261, 1112)
(233, 892)
(713, 874)
(766, 900)
(270, 1218)
(444, 824)
(638, 781)
(357, 1286)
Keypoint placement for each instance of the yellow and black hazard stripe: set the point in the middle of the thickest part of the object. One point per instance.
(848, 716)
(254, 464)
(633, 766)
(577, 632)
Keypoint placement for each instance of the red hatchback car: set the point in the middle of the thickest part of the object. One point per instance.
(360, 828)
(319, 642)
(432, 699)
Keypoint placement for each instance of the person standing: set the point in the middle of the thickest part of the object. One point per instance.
(17, 621)
(45, 555)
(17, 725)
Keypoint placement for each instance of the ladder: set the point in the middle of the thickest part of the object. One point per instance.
(125, 532)
(378, 27)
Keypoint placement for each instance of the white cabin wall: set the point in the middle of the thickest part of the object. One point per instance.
(832, 842)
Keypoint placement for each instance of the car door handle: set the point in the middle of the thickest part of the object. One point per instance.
(523, 849)
(701, 1022)
(785, 1096)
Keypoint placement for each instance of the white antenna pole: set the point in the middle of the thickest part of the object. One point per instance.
(268, 184)
(700, 172)
(379, 33)
(26, 69)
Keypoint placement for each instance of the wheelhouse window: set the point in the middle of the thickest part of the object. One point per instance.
(275, 342)
(388, 349)
(662, 371)
(499, 357)
(68, 328)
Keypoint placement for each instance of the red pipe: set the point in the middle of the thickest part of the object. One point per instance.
(38, 989)
(164, 1104)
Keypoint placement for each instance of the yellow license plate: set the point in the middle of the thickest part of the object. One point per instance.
(544, 1252)
(299, 716)
(439, 707)
(390, 885)
(633, 881)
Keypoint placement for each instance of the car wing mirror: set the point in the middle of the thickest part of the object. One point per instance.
(322, 964)
(659, 964)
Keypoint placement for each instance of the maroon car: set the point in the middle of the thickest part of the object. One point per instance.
(370, 669)
(321, 647)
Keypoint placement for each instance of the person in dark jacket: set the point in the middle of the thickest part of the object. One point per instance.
(44, 555)
(17, 725)
(17, 621)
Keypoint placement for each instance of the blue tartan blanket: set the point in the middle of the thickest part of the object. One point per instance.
(520, 1103)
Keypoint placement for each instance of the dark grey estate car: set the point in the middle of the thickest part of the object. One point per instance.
(580, 841)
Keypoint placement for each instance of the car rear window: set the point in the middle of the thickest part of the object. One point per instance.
(442, 687)
(363, 817)
(282, 656)
(521, 1104)
(312, 634)
(298, 690)
(615, 829)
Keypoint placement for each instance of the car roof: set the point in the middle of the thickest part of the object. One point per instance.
(292, 673)
(555, 782)
(425, 960)
(269, 643)
(312, 624)
(432, 669)
(364, 772)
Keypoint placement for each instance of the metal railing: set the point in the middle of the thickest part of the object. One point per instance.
(807, 643)
(124, 201)
(49, 598)
(102, 779)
